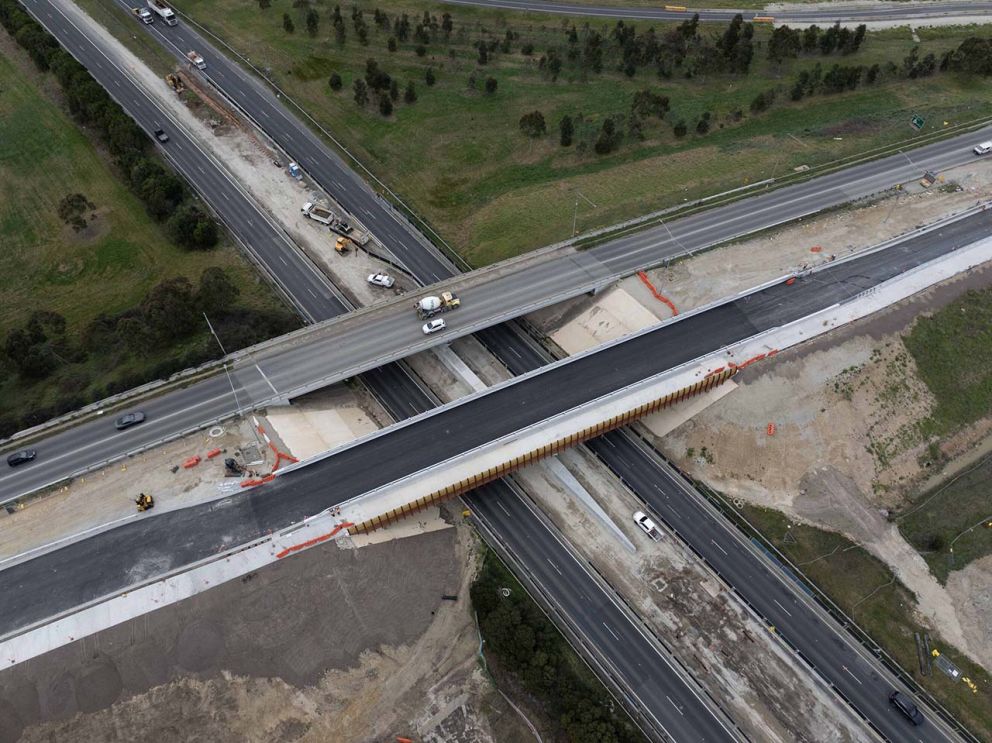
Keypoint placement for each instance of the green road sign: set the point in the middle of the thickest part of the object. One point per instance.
(917, 122)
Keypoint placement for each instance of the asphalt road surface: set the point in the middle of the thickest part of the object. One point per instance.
(889, 11)
(107, 562)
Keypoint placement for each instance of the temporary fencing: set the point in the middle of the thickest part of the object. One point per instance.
(657, 295)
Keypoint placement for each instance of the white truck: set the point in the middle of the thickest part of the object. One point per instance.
(144, 15)
(196, 60)
(163, 11)
(317, 213)
(983, 149)
(430, 306)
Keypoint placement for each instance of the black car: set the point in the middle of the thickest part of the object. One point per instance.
(129, 419)
(21, 457)
(161, 136)
(909, 710)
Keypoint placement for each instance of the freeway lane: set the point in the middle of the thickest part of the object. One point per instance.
(823, 644)
(606, 630)
(269, 246)
(77, 573)
(890, 11)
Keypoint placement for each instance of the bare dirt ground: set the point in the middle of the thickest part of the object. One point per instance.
(333, 644)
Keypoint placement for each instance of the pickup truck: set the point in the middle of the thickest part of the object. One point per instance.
(144, 15)
(346, 230)
(196, 60)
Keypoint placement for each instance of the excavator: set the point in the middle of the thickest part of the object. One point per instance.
(144, 502)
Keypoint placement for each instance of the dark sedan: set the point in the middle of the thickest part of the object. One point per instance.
(21, 457)
(129, 419)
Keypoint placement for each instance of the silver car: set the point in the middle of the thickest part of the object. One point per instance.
(434, 326)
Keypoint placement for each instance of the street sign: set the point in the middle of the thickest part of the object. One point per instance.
(917, 122)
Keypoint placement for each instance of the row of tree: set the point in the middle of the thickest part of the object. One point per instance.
(523, 641)
(788, 42)
(169, 316)
(161, 191)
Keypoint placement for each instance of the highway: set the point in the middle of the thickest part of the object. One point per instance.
(346, 347)
(105, 563)
(404, 243)
(796, 16)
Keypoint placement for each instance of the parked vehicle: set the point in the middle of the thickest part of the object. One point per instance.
(342, 245)
(196, 60)
(983, 149)
(161, 136)
(346, 230)
(905, 705)
(163, 11)
(647, 525)
(144, 15)
(317, 213)
(434, 326)
(430, 306)
(381, 279)
(129, 419)
(21, 457)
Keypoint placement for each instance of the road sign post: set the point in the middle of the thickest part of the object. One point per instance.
(917, 122)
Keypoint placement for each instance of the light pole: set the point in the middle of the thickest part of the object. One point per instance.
(227, 371)
(575, 213)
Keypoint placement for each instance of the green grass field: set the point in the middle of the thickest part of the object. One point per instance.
(108, 267)
(866, 590)
(458, 157)
(947, 524)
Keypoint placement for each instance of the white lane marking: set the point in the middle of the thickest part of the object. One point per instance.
(677, 514)
(718, 546)
(553, 565)
(502, 507)
(311, 292)
(782, 607)
(848, 672)
(267, 380)
(283, 260)
(610, 630)
(678, 709)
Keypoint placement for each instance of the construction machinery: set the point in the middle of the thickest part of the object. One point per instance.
(175, 82)
(342, 245)
(430, 306)
(317, 213)
(144, 502)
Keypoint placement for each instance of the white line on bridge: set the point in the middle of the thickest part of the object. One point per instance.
(554, 566)
(679, 709)
(615, 636)
(718, 547)
(848, 672)
(781, 607)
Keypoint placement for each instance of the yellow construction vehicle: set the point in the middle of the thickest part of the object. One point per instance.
(144, 502)
(343, 245)
(175, 82)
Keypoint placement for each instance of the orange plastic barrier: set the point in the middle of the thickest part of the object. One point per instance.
(771, 429)
(660, 297)
(315, 540)
(191, 462)
(816, 249)
(763, 19)
(213, 453)
(790, 281)
(716, 371)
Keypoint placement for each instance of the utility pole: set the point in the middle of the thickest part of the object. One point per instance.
(575, 213)
(227, 371)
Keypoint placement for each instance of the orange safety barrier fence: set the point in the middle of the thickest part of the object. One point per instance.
(816, 249)
(213, 453)
(771, 429)
(191, 462)
(657, 295)
(315, 540)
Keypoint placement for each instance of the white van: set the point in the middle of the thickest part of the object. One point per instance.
(983, 149)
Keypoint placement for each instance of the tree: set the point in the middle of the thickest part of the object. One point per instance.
(192, 229)
(703, 125)
(312, 21)
(533, 125)
(340, 31)
(429, 77)
(361, 92)
(287, 23)
(566, 130)
(784, 42)
(483, 54)
(491, 85)
(420, 50)
(527, 49)
(394, 90)
(446, 24)
(216, 291)
(609, 137)
(169, 310)
(335, 82)
(410, 94)
(385, 106)
(391, 44)
(811, 39)
(264, 4)
(680, 128)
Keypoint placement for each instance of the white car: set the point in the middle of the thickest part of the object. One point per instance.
(434, 325)
(983, 149)
(381, 279)
(647, 525)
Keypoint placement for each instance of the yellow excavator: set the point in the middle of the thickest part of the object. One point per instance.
(144, 502)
